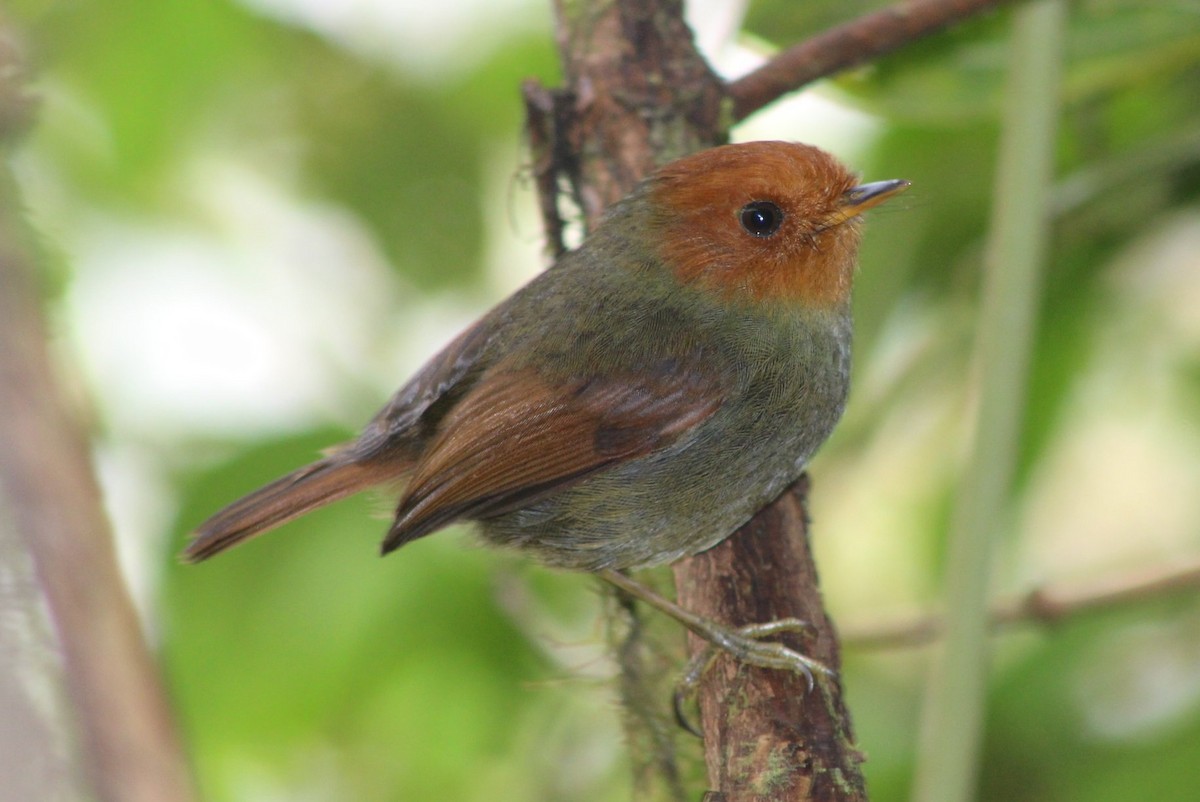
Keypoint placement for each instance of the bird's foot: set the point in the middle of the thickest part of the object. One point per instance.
(745, 645)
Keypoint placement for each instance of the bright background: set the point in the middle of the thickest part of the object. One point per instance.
(261, 217)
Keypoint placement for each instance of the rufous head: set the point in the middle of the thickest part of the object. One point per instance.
(763, 222)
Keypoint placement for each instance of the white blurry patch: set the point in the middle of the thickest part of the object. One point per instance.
(1139, 680)
(715, 25)
(167, 341)
(515, 240)
(1114, 491)
(814, 116)
(233, 327)
(437, 40)
(140, 499)
(1161, 273)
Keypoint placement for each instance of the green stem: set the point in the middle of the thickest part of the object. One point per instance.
(952, 722)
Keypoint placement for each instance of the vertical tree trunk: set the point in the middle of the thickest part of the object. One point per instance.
(637, 95)
(766, 735)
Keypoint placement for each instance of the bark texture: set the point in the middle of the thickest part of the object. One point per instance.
(638, 94)
(767, 736)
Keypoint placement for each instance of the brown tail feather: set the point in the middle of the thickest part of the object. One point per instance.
(288, 497)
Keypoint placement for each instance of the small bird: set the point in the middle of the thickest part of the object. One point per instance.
(640, 399)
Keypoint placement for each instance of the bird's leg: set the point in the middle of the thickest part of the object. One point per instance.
(741, 642)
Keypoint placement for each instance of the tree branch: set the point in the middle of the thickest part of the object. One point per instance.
(635, 94)
(849, 45)
(50, 496)
(1046, 605)
(638, 94)
(766, 735)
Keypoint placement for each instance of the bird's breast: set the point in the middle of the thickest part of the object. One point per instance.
(785, 382)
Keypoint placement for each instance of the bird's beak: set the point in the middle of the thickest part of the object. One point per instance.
(857, 200)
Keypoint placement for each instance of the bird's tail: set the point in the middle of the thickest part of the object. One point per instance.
(288, 497)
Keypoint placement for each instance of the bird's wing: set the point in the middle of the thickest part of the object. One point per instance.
(405, 421)
(515, 437)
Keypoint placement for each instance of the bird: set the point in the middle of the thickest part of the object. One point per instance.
(638, 400)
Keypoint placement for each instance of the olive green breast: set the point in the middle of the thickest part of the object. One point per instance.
(783, 373)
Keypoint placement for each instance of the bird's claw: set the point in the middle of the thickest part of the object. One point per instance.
(746, 646)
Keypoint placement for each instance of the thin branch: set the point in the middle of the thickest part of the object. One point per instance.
(1046, 605)
(858, 42)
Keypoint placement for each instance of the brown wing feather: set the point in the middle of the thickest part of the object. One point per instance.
(515, 437)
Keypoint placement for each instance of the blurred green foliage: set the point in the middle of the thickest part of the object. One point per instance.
(304, 667)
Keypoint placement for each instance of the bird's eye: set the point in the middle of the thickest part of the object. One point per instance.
(761, 218)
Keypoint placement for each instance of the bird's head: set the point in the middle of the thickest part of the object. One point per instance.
(762, 222)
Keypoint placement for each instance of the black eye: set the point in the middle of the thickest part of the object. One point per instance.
(761, 218)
